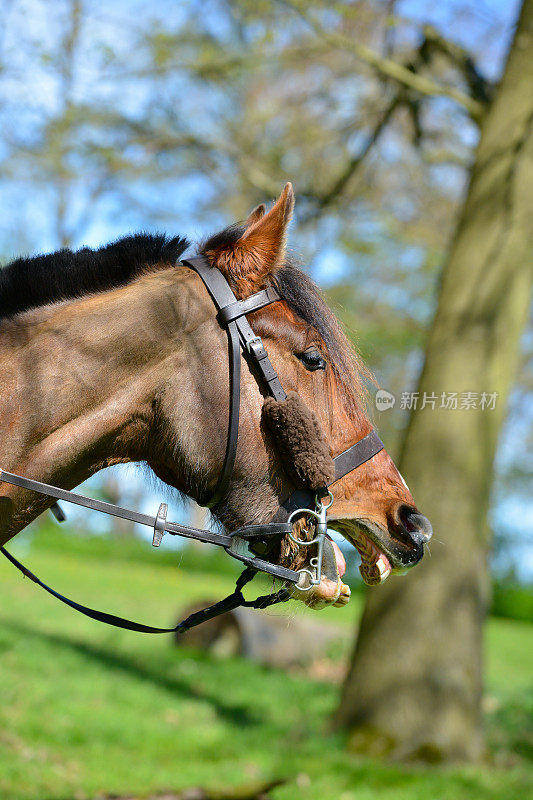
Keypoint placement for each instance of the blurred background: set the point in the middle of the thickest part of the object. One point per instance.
(411, 161)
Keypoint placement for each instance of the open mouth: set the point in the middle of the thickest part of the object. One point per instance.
(376, 564)
(381, 554)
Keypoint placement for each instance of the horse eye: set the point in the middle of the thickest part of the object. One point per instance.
(312, 360)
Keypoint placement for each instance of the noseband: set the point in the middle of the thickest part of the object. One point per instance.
(249, 543)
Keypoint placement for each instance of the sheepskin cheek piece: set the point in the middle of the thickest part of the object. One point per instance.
(300, 440)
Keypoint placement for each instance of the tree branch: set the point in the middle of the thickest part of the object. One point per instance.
(401, 97)
(387, 67)
(481, 89)
(353, 165)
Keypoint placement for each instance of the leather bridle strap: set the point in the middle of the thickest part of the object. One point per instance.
(347, 461)
(358, 454)
(231, 315)
(160, 525)
(115, 511)
(229, 603)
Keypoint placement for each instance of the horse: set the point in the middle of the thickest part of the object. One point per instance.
(115, 355)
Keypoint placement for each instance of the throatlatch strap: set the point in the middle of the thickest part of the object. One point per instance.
(224, 478)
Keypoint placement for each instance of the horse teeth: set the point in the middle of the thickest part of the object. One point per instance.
(383, 567)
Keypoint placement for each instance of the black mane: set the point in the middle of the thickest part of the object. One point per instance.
(31, 282)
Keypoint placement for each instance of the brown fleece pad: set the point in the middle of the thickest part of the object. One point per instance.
(300, 440)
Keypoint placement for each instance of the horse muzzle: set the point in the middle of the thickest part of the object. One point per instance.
(385, 550)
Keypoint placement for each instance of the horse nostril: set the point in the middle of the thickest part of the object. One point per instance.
(418, 538)
(414, 524)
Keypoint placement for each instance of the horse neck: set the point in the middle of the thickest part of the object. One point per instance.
(81, 377)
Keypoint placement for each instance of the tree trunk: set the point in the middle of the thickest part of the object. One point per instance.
(414, 688)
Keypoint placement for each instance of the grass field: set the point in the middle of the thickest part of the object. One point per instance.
(87, 710)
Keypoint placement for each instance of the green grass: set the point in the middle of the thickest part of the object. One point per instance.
(87, 709)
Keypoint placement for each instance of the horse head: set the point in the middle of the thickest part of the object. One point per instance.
(324, 378)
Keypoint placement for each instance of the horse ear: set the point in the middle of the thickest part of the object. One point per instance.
(255, 215)
(265, 240)
(259, 251)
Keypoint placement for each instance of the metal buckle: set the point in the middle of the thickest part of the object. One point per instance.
(315, 573)
(255, 340)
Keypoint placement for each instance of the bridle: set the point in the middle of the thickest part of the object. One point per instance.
(250, 544)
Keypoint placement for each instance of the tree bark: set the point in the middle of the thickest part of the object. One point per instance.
(414, 688)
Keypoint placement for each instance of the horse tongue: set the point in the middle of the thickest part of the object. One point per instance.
(339, 558)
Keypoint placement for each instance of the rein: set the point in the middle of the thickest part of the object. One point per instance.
(249, 543)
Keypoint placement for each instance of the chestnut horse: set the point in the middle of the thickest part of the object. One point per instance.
(115, 355)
